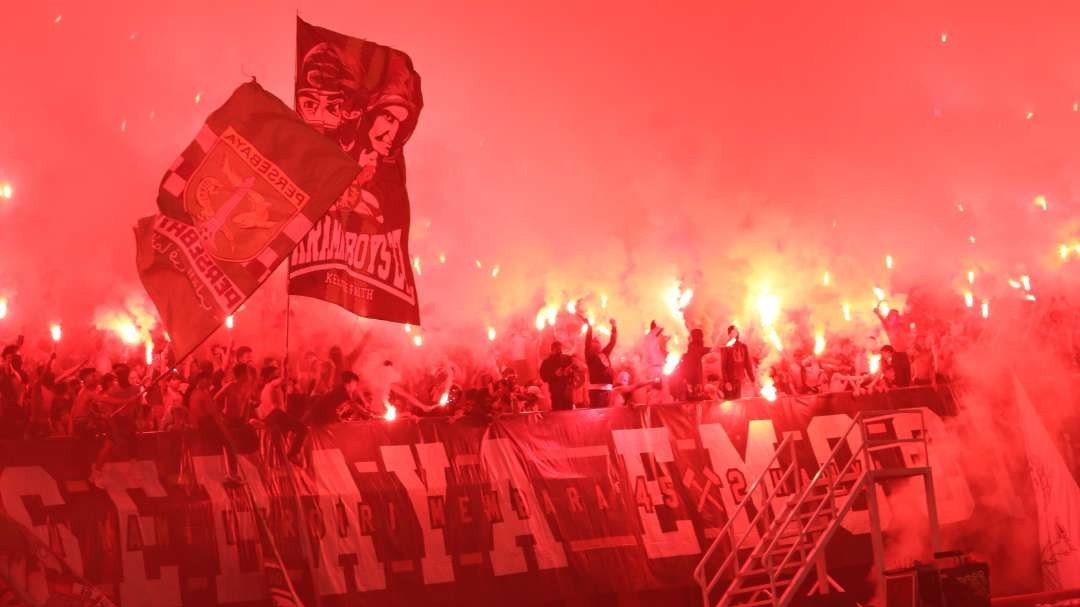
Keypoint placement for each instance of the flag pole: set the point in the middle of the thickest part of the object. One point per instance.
(288, 318)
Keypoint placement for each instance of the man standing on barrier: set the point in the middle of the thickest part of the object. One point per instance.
(558, 371)
(601, 374)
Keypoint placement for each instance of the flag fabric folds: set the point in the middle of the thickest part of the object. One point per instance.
(365, 98)
(232, 208)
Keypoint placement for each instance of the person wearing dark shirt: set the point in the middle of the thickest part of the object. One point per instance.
(325, 409)
(601, 375)
(736, 365)
(690, 366)
(896, 367)
(557, 371)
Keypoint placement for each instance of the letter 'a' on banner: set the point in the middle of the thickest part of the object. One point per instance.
(365, 98)
(232, 208)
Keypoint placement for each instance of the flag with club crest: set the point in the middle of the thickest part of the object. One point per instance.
(232, 207)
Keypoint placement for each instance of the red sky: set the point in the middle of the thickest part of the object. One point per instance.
(618, 142)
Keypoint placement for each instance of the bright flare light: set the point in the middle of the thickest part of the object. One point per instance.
(879, 294)
(408, 328)
(149, 352)
(442, 257)
(603, 301)
(417, 341)
(55, 331)
(494, 271)
(1014, 283)
(768, 307)
(1026, 281)
(969, 299)
(3, 308)
(819, 343)
(670, 363)
(571, 307)
(985, 309)
(826, 279)
(847, 311)
(768, 390)
(229, 322)
(971, 277)
(391, 413)
(873, 360)
(6, 191)
(491, 333)
(416, 265)
(128, 333)
(444, 399)
(888, 262)
(1040, 201)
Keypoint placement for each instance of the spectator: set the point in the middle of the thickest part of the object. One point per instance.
(272, 412)
(557, 371)
(690, 367)
(598, 360)
(738, 368)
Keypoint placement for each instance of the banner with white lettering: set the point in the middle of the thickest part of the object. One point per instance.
(365, 98)
(566, 507)
(232, 207)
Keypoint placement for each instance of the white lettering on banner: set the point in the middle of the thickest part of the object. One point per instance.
(954, 500)
(235, 528)
(630, 444)
(738, 473)
(819, 431)
(347, 561)
(436, 563)
(136, 531)
(19, 481)
(514, 487)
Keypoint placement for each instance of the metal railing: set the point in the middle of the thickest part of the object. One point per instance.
(832, 480)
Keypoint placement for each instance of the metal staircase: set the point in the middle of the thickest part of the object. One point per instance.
(787, 517)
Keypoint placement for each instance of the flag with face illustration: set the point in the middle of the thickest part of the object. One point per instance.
(232, 208)
(365, 98)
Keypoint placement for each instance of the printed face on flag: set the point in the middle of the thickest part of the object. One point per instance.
(366, 98)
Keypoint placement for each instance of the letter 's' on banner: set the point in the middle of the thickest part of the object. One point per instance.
(232, 207)
(365, 98)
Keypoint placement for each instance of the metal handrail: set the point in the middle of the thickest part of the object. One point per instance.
(859, 420)
(728, 528)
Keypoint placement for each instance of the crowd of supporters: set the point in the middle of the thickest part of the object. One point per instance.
(223, 392)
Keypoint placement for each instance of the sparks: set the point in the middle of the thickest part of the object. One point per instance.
(416, 265)
(969, 299)
(879, 294)
(1040, 201)
(1029, 297)
(971, 277)
(826, 279)
(55, 331)
(986, 308)
(888, 262)
(1014, 283)
(230, 322)
(819, 343)
(491, 333)
(391, 412)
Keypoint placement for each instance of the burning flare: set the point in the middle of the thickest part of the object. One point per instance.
(444, 399)
(391, 412)
(55, 331)
(819, 343)
(230, 322)
(768, 390)
(149, 352)
(3, 308)
(491, 333)
(671, 363)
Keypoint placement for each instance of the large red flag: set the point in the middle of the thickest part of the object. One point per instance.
(366, 98)
(233, 206)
